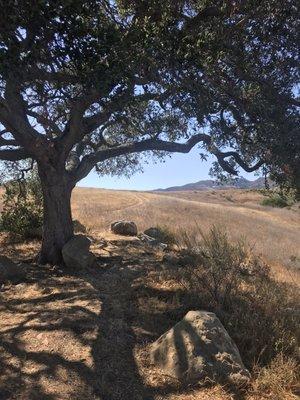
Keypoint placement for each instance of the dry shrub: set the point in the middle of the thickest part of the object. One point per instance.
(259, 313)
(218, 266)
(278, 380)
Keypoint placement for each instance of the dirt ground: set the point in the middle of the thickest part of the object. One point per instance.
(86, 336)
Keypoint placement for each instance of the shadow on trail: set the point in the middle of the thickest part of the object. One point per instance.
(69, 336)
(113, 350)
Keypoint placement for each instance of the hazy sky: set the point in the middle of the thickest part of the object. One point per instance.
(178, 170)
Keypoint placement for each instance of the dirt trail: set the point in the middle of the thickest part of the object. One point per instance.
(71, 336)
(141, 200)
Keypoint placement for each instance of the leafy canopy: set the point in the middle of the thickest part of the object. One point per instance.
(96, 83)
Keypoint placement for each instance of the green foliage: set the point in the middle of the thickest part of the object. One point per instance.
(278, 199)
(275, 201)
(22, 206)
(158, 71)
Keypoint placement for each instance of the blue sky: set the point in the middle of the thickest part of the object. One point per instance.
(178, 170)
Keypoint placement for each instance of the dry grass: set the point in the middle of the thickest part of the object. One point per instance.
(273, 233)
(86, 336)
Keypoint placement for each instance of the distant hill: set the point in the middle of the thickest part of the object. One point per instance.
(240, 183)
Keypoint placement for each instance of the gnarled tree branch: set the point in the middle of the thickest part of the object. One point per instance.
(14, 155)
(88, 162)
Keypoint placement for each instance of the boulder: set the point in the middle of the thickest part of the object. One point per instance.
(148, 240)
(154, 233)
(76, 254)
(199, 347)
(9, 271)
(127, 228)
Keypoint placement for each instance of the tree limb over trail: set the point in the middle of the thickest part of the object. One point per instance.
(88, 162)
(96, 83)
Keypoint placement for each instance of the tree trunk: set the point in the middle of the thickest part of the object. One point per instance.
(57, 225)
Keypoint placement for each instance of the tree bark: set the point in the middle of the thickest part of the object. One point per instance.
(57, 225)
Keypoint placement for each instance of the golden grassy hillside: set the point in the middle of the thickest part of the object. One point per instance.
(274, 233)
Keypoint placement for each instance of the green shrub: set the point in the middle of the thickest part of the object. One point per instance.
(276, 201)
(278, 198)
(22, 207)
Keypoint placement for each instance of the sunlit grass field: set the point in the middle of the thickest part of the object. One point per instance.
(273, 233)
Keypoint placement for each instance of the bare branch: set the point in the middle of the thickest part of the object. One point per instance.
(88, 162)
(227, 167)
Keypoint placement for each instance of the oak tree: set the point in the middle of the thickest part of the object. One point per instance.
(102, 83)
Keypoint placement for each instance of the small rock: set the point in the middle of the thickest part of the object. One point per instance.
(9, 271)
(154, 233)
(152, 241)
(199, 347)
(76, 254)
(127, 228)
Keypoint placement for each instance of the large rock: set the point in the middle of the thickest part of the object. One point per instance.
(76, 253)
(148, 240)
(162, 234)
(9, 271)
(127, 228)
(199, 347)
